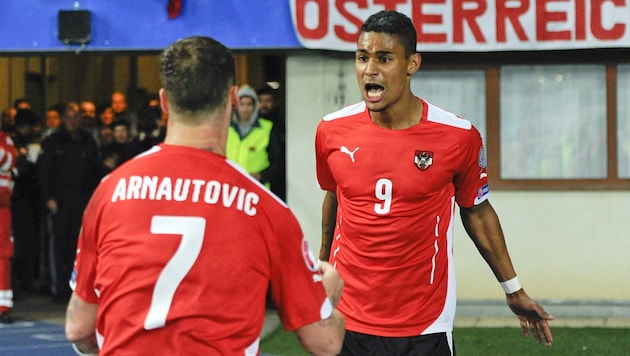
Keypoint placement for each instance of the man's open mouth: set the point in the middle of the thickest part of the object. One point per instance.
(374, 90)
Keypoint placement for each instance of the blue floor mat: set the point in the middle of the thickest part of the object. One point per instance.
(22, 338)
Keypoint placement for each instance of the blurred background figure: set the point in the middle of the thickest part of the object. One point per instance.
(8, 156)
(53, 120)
(26, 203)
(69, 171)
(269, 108)
(7, 120)
(87, 110)
(123, 146)
(22, 103)
(106, 115)
(121, 110)
(253, 142)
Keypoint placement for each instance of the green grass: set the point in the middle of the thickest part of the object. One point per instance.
(499, 341)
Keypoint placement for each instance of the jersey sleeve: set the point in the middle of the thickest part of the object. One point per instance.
(325, 179)
(84, 271)
(471, 182)
(296, 284)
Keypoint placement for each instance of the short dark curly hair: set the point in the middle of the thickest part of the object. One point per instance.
(393, 23)
(197, 73)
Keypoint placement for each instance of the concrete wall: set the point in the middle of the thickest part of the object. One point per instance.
(569, 245)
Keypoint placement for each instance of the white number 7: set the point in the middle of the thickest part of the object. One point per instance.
(192, 230)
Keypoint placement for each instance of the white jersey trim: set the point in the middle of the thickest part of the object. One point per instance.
(347, 111)
(439, 115)
(434, 114)
(444, 322)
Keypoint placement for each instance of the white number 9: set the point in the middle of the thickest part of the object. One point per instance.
(383, 192)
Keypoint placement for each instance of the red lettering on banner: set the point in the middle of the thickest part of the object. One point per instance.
(543, 17)
(419, 19)
(518, 23)
(321, 29)
(390, 5)
(512, 14)
(580, 20)
(340, 31)
(460, 15)
(599, 32)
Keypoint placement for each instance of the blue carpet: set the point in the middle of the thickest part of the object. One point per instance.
(35, 338)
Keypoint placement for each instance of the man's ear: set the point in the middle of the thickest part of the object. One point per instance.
(415, 60)
(234, 97)
(163, 100)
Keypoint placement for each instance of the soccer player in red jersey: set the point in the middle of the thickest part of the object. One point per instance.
(394, 167)
(179, 245)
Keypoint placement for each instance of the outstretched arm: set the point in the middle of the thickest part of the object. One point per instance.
(81, 325)
(482, 225)
(325, 337)
(329, 219)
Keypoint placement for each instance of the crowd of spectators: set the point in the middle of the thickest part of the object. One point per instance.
(62, 154)
(65, 151)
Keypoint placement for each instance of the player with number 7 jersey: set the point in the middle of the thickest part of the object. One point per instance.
(179, 245)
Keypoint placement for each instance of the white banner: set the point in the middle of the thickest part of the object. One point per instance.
(471, 25)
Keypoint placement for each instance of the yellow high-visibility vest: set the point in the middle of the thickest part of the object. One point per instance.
(250, 152)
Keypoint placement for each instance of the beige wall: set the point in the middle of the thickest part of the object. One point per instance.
(564, 245)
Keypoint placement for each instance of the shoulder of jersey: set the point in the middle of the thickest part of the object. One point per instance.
(441, 116)
(345, 112)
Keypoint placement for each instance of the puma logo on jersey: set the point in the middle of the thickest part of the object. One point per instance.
(345, 150)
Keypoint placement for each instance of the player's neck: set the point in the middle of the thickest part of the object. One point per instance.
(206, 137)
(405, 113)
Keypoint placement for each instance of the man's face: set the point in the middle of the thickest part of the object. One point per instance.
(107, 116)
(88, 109)
(121, 133)
(245, 107)
(52, 118)
(266, 104)
(119, 103)
(71, 120)
(383, 71)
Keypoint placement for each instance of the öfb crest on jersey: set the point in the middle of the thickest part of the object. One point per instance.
(423, 159)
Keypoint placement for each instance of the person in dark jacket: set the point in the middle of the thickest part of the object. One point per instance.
(69, 171)
(26, 202)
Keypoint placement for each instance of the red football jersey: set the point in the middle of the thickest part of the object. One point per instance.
(178, 248)
(397, 191)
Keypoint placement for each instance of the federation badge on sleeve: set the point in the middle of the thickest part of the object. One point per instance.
(423, 159)
(482, 160)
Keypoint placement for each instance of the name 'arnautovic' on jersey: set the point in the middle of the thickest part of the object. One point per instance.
(178, 248)
(397, 191)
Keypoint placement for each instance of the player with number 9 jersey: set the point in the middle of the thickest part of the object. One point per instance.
(396, 192)
(178, 248)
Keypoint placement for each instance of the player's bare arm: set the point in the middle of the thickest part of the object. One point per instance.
(329, 219)
(81, 325)
(482, 225)
(324, 337)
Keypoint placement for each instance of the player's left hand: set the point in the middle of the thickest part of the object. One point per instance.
(532, 316)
